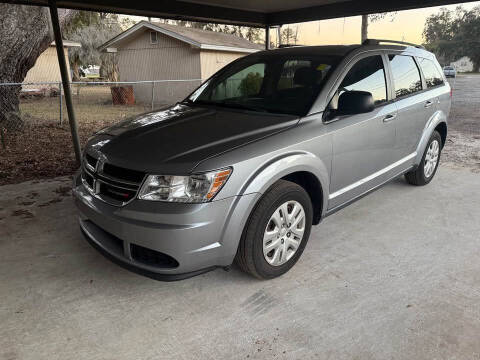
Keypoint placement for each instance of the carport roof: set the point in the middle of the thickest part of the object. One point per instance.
(246, 12)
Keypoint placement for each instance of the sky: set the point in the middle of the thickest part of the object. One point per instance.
(403, 25)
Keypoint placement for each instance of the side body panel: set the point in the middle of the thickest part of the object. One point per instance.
(362, 144)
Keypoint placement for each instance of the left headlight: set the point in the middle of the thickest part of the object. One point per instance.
(196, 188)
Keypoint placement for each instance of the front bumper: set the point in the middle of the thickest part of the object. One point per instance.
(175, 240)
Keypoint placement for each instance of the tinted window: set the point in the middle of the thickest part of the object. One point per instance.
(290, 67)
(406, 76)
(368, 75)
(431, 73)
(275, 84)
(246, 82)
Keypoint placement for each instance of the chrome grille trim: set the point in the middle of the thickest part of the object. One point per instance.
(116, 185)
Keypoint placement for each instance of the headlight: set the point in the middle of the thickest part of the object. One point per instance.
(197, 188)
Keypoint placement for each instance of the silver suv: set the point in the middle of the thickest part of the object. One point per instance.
(264, 149)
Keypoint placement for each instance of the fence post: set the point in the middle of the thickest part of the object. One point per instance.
(61, 102)
(153, 93)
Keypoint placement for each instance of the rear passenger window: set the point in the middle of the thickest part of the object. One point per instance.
(406, 76)
(430, 71)
(367, 74)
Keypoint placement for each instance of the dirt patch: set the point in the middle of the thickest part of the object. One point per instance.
(462, 150)
(63, 190)
(25, 214)
(26, 203)
(53, 201)
(32, 195)
(35, 153)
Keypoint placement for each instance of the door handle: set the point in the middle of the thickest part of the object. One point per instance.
(389, 117)
(428, 103)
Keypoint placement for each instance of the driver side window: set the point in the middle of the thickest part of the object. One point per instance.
(368, 74)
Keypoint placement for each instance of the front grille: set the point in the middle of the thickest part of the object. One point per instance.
(110, 183)
(116, 193)
(151, 257)
(122, 173)
(88, 179)
(91, 161)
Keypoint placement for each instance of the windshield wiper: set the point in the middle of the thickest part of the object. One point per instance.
(236, 105)
(226, 103)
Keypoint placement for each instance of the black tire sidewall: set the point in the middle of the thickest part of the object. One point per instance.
(435, 136)
(262, 267)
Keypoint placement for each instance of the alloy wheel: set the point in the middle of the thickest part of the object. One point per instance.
(431, 159)
(284, 233)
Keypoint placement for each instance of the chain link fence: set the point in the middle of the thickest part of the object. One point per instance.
(96, 103)
(35, 137)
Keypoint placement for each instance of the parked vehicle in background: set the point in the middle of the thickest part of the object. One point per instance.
(264, 149)
(450, 71)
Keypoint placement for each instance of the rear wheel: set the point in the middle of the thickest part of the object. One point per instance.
(425, 172)
(277, 231)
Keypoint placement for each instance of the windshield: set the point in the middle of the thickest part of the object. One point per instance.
(274, 84)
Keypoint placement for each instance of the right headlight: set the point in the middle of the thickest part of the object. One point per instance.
(196, 188)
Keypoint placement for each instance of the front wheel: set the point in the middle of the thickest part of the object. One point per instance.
(424, 173)
(277, 231)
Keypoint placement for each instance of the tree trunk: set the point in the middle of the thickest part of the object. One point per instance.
(75, 70)
(24, 35)
(364, 27)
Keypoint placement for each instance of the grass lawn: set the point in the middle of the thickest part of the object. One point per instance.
(92, 105)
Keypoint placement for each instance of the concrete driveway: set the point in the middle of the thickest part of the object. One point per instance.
(394, 276)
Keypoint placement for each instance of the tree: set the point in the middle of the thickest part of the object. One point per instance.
(251, 84)
(452, 34)
(289, 36)
(92, 30)
(24, 35)
(250, 33)
(373, 18)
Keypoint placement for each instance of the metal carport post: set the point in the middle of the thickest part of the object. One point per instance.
(65, 79)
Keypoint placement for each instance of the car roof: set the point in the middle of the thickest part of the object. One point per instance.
(329, 50)
(338, 50)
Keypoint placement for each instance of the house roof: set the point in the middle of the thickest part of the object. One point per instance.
(203, 39)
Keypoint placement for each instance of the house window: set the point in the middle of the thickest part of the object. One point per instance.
(153, 37)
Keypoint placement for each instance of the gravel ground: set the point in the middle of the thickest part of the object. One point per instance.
(463, 142)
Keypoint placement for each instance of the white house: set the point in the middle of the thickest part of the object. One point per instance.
(463, 64)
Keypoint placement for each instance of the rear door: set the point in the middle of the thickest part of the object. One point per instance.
(362, 143)
(415, 104)
(435, 83)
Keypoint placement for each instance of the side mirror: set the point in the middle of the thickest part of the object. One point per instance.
(355, 102)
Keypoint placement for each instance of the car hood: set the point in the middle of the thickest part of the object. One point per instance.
(175, 140)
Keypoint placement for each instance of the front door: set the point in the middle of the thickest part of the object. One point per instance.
(363, 144)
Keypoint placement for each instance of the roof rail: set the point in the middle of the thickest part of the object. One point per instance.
(288, 45)
(378, 41)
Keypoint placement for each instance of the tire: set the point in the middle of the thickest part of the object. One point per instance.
(251, 256)
(422, 175)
